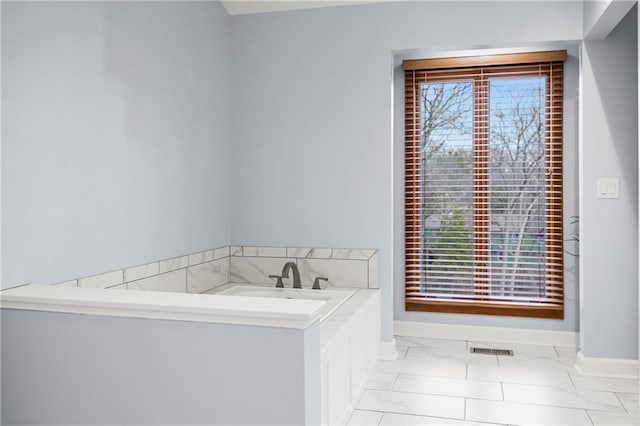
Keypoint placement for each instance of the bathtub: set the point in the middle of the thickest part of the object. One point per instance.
(228, 355)
(332, 298)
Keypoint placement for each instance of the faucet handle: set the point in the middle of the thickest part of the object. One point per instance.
(316, 282)
(279, 283)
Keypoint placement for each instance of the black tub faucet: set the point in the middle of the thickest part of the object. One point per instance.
(291, 266)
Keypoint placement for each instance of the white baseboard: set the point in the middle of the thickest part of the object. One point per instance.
(388, 350)
(610, 367)
(482, 333)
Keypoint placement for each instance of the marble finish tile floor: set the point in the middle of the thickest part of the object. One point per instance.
(438, 382)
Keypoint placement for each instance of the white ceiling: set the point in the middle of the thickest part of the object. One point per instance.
(239, 7)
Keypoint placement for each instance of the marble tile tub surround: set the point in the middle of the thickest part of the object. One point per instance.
(202, 271)
(192, 273)
(344, 267)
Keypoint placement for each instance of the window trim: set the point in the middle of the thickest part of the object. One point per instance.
(552, 62)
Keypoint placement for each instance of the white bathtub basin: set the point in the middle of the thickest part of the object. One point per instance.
(333, 298)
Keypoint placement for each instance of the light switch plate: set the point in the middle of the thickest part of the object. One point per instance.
(608, 188)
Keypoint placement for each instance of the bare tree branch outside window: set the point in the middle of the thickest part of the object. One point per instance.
(516, 184)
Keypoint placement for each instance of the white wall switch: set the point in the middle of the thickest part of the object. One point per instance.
(608, 188)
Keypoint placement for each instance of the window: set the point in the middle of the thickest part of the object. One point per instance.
(483, 184)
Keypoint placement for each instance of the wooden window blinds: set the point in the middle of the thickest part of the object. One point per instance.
(483, 184)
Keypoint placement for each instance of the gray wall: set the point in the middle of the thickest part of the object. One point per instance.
(570, 169)
(592, 11)
(609, 228)
(312, 113)
(599, 18)
(69, 369)
(115, 136)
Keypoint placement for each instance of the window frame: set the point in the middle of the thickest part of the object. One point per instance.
(481, 68)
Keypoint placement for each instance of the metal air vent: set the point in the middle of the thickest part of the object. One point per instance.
(491, 351)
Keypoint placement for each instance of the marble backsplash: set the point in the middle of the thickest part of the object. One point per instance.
(206, 270)
(343, 267)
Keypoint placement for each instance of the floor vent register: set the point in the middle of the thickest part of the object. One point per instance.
(491, 351)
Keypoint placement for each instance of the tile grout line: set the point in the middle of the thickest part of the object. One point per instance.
(353, 411)
(564, 407)
(430, 376)
(404, 413)
(502, 389)
(446, 395)
(571, 380)
(466, 398)
(465, 409)
(186, 285)
(624, 407)
(368, 277)
(484, 422)
(413, 392)
(549, 385)
(395, 380)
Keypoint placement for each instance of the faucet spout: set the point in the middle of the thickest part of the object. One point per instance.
(291, 266)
